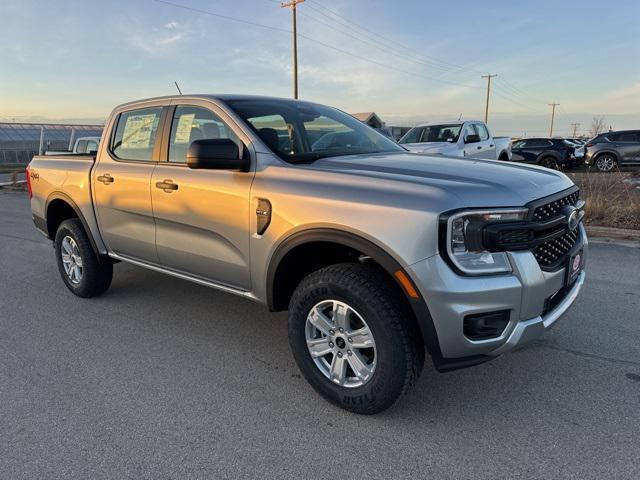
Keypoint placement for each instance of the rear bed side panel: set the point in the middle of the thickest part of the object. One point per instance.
(65, 177)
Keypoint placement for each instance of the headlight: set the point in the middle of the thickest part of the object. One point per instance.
(464, 240)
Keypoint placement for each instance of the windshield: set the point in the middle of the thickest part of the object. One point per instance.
(303, 132)
(432, 133)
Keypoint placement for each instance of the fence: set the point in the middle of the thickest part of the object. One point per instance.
(19, 142)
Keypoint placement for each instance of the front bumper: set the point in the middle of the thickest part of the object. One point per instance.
(525, 294)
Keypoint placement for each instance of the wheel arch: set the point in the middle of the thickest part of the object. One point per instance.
(61, 207)
(279, 291)
(608, 151)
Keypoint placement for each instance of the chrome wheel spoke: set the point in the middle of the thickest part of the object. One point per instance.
(320, 321)
(319, 347)
(361, 338)
(71, 259)
(338, 369)
(340, 314)
(359, 366)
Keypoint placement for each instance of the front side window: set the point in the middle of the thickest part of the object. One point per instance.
(135, 134)
(469, 129)
(300, 132)
(194, 123)
(412, 136)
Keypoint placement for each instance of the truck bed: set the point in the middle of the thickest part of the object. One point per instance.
(69, 176)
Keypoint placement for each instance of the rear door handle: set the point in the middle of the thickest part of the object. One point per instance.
(479, 147)
(106, 179)
(167, 185)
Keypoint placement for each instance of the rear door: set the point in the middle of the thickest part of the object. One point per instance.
(202, 216)
(121, 183)
(488, 149)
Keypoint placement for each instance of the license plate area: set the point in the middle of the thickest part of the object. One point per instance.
(574, 267)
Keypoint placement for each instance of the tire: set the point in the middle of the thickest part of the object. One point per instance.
(91, 275)
(393, 358)
(549, 162)
(605, 162)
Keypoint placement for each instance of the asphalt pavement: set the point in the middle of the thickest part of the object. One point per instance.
(162, 379)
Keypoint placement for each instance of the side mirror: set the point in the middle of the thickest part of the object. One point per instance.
(472, 138)
(216, 154)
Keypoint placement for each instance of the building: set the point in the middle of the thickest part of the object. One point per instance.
(370, 118)
(19, 142)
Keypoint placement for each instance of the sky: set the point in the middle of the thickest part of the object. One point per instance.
(408, 60)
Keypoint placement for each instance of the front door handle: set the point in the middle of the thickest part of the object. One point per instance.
(479, 147)
(167, 185)
(106, 179)
(491, 146)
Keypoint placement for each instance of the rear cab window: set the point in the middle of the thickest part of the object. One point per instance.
(135, 134)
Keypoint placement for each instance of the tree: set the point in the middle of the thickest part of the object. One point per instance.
(598, 125)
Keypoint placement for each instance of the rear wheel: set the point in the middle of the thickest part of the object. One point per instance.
(606, 162)
(549, 162)
(354, 342)
(82, 271)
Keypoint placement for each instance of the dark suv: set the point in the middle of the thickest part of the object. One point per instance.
(553, 153)
(611, 149)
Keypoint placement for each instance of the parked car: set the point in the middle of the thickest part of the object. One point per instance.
(578, 149)
(82, 145)
(470, 138)
(609, 150)
(555, 153)
(375, 252)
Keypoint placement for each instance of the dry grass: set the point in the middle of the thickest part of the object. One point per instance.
(612, 199)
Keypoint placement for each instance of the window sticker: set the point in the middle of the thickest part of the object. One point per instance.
(138, 130)
(183, 130)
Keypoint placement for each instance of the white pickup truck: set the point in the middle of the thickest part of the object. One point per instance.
(470, 138)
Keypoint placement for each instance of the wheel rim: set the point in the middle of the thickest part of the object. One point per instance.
(71, 260)
(340, 343)
(605, 163)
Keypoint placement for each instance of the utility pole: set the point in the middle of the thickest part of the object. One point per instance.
(575, 129)
(486, 108)
(293, 4)
(553, 114)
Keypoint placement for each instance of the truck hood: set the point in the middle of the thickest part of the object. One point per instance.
(475, 182)
(431, 147)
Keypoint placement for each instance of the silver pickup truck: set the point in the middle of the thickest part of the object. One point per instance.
(378, 254)
(469, 138)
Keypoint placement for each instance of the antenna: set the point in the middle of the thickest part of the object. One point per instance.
(179, 91)
(460, 117)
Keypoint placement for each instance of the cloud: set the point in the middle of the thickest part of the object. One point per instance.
(156, 41)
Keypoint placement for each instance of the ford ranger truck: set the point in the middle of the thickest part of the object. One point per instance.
(379, 255)
(469, 138)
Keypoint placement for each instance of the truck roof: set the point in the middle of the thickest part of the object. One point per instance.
(211, 96)
(452, 122)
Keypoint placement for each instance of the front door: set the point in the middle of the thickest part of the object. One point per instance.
(121, 184)
(202, 216)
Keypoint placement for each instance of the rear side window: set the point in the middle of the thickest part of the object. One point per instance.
(482, 131)
(81, 147)
(92, 146)
(135, 134)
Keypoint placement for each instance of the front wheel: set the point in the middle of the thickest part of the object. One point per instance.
(352, 339)
(82, 271)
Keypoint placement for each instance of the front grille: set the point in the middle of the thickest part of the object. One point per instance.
(553, 252)
(514, 237)
(551, 209)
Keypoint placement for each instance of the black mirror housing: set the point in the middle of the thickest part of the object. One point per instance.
(216, 154)
(472, 138)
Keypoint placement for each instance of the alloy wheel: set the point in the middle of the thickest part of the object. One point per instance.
(340, 343)
(71, 259)
(605, 163)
